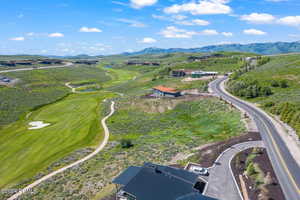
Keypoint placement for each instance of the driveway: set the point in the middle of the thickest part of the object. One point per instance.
(221, 183)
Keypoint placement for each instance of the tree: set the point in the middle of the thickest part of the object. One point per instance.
(126, 143)
(284, 84)
(275, 83)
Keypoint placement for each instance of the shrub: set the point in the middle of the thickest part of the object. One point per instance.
(284, 84)
(275, 83)
(126, 143)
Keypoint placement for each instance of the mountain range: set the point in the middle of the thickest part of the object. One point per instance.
(259, 48)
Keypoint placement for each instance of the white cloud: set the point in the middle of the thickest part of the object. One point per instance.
(17, 39)
(132, 23)
(258, 18)
(209, 32)
(148, 40)
(227, 34)
(195, 22)
(56, 35)
(203, 7)
(179, 17)
(173, 32)
(142, 3)
(276, 0)
(290, 20)
(89, 30)
(254, 32)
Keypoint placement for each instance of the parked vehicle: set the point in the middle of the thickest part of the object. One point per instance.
(199, 170)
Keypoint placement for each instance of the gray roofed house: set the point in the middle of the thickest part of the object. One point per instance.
(157, 182)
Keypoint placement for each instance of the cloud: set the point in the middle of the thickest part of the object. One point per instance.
(258, 18)
(179, 17)
(276, 0)
(89, 30)
(173, 32)
(290, 20)
(132, 23)
(209, 32)
(148, 40)
(203, 7)
(17, 39)
(195, 22)
(56, 35)
(227, 34)
(254, 32)
(142, 3)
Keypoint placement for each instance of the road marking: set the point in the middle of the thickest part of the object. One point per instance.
(281, 158)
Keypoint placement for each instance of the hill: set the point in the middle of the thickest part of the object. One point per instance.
(258, 48)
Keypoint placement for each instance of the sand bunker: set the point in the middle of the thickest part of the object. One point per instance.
(37, 125)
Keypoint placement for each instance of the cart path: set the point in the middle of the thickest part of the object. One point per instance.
(221, 182)
(99, 148)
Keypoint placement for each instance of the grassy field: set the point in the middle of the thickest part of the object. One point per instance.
(40, 87)
(157, 134)
(156, 137)
(74, 119)
(75, 123)
(282, 76)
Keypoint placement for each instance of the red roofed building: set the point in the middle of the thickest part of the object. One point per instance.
(166, 92)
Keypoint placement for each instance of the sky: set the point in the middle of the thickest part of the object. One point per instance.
(103, 27)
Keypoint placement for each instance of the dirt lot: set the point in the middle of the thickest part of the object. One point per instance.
(268, 187)
(206, 156)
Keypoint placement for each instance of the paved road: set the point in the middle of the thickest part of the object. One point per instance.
(221, 183)
(99, 148)
(36, 68)
(285, 166)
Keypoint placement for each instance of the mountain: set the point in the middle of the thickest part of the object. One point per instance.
(259, 48)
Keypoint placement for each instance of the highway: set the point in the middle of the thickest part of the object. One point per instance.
(286, 168)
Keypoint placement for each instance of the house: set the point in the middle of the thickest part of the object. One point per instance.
(51, 62)
(199, 74)
(137, 63)
(86, 62)
(178, 73)
(157, 182)
(163, 91)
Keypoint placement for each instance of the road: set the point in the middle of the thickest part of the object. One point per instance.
(36, 68)
(285, 166)
(99, 148)
(226, 188)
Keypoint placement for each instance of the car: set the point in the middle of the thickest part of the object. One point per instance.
(199, 170)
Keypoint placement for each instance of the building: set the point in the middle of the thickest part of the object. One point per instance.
(162, 91)
(178, 73)
(199, 74)
(157, 182)
(137, 63)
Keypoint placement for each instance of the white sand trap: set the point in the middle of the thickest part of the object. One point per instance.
(37, 125)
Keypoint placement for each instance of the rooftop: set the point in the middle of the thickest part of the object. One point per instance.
(165, 89)
(158, 182)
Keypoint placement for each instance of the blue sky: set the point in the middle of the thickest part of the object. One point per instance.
(101, 27)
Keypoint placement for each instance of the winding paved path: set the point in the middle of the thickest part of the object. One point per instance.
(221, 182)
(99, 148)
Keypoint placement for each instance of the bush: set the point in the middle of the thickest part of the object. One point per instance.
(269, 104)
(284, 84)
(126, 143)
(275, 83)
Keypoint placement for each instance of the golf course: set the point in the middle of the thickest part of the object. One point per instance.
(73, 123)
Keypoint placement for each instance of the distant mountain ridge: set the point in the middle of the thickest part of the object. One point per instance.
(259, 48)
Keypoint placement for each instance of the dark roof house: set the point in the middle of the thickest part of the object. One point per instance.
(157, 182)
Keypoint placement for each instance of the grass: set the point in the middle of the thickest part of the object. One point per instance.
(156, 138)
(280, 68)
(75, 123)
(40, 87)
